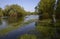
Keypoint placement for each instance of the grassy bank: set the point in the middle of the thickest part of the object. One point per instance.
(47, 30)
(27, 36)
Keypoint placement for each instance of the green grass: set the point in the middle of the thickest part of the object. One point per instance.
(44, 22)
(10, 28)
(13, 26)
(47, 31)
(27, 36)
(5, 31)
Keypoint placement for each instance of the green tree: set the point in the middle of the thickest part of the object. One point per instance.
(1, 12)
(58, 10)
(46, 6)
(16, 8)
(58, 19)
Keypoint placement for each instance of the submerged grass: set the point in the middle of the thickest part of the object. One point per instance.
(8, 29)
(13, 26)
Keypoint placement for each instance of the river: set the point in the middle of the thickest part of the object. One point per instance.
(21, 30)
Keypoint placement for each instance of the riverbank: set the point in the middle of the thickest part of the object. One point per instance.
(48, 30)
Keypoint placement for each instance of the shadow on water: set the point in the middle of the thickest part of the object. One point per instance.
(15, 20)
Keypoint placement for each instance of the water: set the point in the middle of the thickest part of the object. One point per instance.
(21, 30)
(30, 17)
(3, 24)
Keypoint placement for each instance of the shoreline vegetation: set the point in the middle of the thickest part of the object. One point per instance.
(14, 26)
(27, 36)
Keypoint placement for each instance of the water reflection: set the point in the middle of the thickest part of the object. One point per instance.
(4, 23)
(15, 20)
(0, 21)
(30, 17)
(21, 30)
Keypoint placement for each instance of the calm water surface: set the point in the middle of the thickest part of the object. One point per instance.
(20, 31)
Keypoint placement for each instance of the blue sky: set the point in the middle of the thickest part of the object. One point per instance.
(27, 4)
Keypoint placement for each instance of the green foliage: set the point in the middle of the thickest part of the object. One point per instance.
(15, 8)
(46, 32)
(58, 10)
(11, 12)
(1, 12)
(27, 36)
(46, 6)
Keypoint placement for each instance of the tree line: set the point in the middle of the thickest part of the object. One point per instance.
(13, 10)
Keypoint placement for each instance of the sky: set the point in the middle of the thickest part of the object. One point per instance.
(28, 5)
